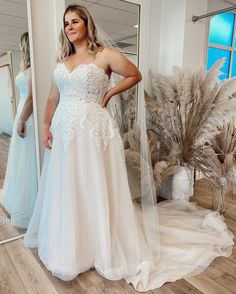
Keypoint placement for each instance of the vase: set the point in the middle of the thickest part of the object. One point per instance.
(218, 202)
(179, 186)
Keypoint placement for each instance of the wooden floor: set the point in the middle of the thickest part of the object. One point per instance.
(21, 271)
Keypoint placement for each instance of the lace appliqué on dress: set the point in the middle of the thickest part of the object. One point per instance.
(90, 116)
(21, 81)
(81, 92)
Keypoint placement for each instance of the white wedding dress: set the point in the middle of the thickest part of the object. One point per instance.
(84, 216)
(20, 184)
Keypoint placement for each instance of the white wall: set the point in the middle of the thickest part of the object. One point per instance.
(45, 25)
(195, 34)
(171, 34)
(174, 38)
(154, 34)
(214, 5)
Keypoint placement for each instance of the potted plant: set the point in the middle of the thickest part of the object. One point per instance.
(186, 112)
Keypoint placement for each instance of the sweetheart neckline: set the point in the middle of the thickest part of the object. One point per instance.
(84, 64)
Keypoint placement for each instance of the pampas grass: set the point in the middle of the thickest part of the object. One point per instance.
(218, 163)
(187, 111)
(132, 148)
(124, 112)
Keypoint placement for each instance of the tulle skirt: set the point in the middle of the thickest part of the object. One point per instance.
(84, 218)
(20, 185)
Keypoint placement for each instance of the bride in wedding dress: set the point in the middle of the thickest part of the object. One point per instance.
(84, 216)
(20, 184)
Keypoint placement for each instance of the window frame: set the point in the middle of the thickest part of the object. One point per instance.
(231, 49)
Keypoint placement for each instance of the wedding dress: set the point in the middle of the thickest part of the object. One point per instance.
(84, 216)
(20, 184)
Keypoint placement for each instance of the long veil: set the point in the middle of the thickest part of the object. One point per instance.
(147, 210)
(183, 238)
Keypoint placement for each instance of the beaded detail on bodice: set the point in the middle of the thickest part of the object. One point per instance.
(87, 82)
(81, 94)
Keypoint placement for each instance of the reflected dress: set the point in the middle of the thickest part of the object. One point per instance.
(84, 216)
(20, 184)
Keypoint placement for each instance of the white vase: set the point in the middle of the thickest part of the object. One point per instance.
(179, 186)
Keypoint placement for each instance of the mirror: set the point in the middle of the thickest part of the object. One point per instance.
(18, 164)
(120, 21)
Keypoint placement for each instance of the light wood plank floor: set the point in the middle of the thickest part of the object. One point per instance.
(21, 271)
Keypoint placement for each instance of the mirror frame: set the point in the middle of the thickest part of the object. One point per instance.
(29, 23)
(54, 28)
(55, 22)
(143, 49)
(30, 32)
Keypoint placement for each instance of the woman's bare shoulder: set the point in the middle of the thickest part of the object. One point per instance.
(110, 52)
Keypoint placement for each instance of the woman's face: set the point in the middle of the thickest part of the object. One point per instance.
(74, 27)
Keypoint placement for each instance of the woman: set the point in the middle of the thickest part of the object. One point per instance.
(84, 216)
(20, 185)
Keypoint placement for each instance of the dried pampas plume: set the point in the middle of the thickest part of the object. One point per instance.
(221, 160)
(124, 111)
(133, 160)
(186, 112)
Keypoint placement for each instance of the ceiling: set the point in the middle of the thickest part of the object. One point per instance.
(13, 23)
(116, 17)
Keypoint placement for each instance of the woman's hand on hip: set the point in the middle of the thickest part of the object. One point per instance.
(105, 100)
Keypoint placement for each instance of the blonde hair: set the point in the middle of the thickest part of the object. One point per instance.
(25, 52)
(66, 47)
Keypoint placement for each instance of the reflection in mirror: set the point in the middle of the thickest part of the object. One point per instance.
(120, 21)
(18, 172)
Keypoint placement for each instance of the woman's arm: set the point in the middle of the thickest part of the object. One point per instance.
(50, 108)
(26, 112)
(119, 64)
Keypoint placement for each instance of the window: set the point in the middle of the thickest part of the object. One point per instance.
(222, 43)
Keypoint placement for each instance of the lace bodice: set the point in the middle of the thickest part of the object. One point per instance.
(87, 82)
(21, 81)
(22, 84)
(81, 94)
